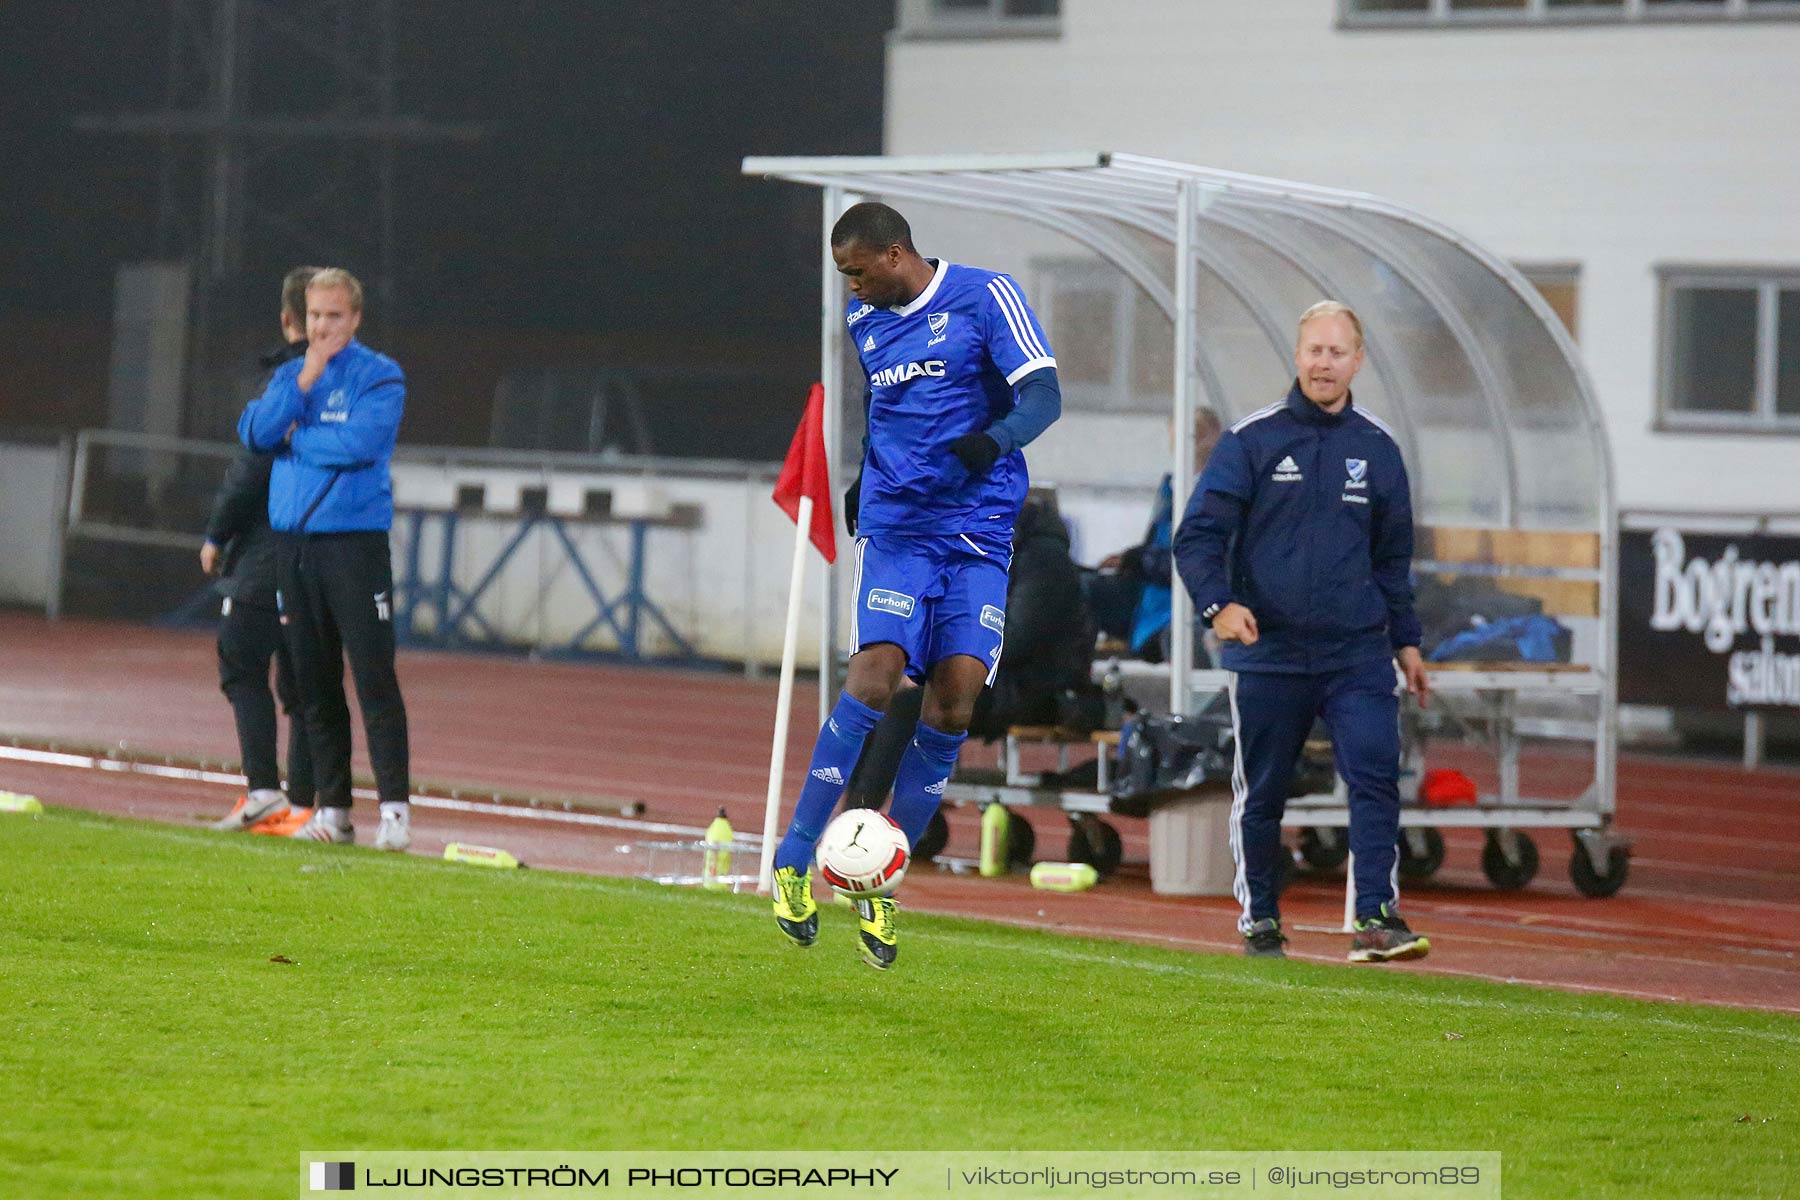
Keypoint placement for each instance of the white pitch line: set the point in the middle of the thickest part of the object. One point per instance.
(56, 758)
(196, 775)
(551, 814)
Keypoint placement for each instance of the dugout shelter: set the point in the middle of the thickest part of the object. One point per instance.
(1166, 286)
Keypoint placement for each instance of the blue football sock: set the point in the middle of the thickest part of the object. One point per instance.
(834, 758)
(924, 770)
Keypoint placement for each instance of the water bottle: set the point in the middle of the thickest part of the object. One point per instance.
(1064, 877)
(481, 856)
(1112, 691)
(14, 802)
(715, 861)
(994, 821)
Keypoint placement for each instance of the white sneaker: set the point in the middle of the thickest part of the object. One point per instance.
(396, 828)
(252, 808)
(328, 825)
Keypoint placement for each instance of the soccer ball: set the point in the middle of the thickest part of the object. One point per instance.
(863, 854)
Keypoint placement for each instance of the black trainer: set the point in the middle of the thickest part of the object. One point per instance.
(1264, 939)
(1386, 938)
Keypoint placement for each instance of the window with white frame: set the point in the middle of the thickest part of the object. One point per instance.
(1731, 349)
(1115, 349)
(981, 18)
(1382, 13)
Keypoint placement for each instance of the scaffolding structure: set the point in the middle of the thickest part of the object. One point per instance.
(250, 85)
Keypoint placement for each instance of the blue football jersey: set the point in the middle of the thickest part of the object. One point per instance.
(937, 368)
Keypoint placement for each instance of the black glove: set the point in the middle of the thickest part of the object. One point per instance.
(978, 453)
(852, 499)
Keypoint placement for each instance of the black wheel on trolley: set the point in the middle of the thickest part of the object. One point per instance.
(1596, 884)
(1021, 841)
(1324, 848)
(1421, 852)
(1507, 872)
(1096, 843)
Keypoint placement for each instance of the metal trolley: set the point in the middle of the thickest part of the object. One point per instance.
(1489, 707)
(1495, 706)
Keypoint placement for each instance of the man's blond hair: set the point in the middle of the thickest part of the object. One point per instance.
(1331, 308)
(337, 277)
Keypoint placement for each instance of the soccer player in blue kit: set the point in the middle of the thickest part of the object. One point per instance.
(960, 377)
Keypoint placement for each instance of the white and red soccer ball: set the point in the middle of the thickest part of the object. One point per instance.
(863, 854)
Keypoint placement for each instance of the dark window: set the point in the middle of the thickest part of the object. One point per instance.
(1712, 361)
(1787, 353)
(998, 8)
(979, 17)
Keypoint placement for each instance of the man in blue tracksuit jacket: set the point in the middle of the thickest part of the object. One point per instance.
(333, 416)
(1297, 546)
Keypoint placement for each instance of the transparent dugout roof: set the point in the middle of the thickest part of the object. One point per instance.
(1466, 362)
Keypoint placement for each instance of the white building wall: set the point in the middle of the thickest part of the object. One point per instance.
(31, 489)
(1615, 147)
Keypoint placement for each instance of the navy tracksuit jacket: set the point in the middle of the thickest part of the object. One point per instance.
(1305, 518)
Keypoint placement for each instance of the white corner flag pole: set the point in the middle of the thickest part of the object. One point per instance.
(790, 643)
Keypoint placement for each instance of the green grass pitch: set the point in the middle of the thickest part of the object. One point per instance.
(150, 1047)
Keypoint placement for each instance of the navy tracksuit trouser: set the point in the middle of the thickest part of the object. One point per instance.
(1271, 714)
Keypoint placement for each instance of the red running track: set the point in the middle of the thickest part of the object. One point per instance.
(1711, 913)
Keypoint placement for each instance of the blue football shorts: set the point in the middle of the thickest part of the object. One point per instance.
(932, 596)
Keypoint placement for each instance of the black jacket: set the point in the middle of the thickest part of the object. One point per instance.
(1049, 642)
(239, 524)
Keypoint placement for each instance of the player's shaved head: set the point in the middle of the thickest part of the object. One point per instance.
(875, 225)
(872, 247)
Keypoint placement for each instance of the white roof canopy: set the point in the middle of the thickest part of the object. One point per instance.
(1465, 361)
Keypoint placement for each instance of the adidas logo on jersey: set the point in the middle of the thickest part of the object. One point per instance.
(869, 342)
(829, 775)
(1287, 471)
(937, 789)
(887, 378)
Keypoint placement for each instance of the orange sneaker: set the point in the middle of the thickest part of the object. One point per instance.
(235, 818)
(284, 823)
(249, 811)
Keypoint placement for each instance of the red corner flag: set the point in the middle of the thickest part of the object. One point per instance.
(803, 474)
